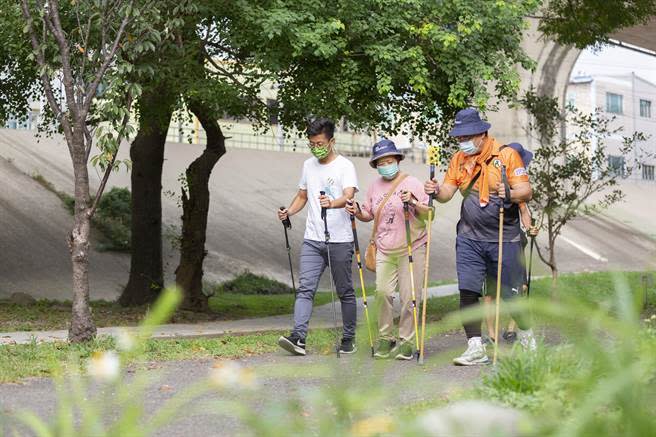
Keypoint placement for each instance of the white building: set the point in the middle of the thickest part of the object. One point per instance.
(632, 100)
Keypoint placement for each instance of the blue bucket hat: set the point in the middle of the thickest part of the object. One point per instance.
(526, 155)
(384, 148)
(468, 122)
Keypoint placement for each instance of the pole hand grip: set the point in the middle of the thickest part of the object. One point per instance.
(431, 196)
(351, 216)
(323, 210)
(286, 223)
(504, 179)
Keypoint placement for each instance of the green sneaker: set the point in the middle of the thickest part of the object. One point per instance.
(405, 351)
(383, 348)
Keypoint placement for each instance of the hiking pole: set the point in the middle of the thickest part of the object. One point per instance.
(433, 159)
(364, 293)
(499, 263)
(287, 224)
(530, 261)
(406, 214)
(330, 269)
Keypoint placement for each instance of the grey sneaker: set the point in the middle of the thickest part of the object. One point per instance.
(404, 351)
(384, 347)
(292, 344)
(527, 340)
(474, 355)
(348, 346)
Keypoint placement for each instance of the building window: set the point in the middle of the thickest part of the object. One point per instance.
(616, 163)
(614, 103)
(645, 108)
(571, 99)
(648, 172)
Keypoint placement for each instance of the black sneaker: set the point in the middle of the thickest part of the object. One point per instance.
(348, 346)
(509, 336)
(292, 344)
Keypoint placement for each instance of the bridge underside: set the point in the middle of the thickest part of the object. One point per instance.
(551, 76)
(643, 36)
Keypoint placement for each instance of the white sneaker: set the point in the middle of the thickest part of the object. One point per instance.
(474, 355)
(527, 340)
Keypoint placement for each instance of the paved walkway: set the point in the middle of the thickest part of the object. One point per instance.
(283, 381)
(321, 318)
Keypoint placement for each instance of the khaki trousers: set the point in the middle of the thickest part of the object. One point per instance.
(393, 271)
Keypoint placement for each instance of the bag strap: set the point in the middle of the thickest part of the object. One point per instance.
(382, 204)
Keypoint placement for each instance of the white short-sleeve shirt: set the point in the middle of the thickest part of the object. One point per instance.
(332, 178)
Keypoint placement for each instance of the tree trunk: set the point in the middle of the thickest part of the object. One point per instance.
(195, 207)
(552, 259)
(82, 327)
(147, 155)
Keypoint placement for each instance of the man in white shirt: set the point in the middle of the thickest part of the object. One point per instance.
(335, 175)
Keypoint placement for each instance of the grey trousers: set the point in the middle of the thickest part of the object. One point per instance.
(314, 260)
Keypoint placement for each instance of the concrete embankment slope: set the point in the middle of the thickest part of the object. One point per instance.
(247, 187)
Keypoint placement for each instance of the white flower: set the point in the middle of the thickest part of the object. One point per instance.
(104, 366)
(125, 341)
(231, 375)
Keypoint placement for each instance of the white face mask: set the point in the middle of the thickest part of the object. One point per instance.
(468, 147)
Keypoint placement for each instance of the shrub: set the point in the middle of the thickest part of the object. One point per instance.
(114, 219)
(249, 283)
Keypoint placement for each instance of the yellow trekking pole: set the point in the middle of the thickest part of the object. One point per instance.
(499, 263)
(364, 293)
(433, 160)
(412, 273)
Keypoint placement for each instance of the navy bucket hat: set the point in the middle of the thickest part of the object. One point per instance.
(468, 122)
(526, 155)
(384, 148)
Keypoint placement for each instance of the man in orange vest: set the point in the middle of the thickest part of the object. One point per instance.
(477, 170)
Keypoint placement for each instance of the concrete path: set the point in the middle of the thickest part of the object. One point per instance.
(322, 317)
(282, 379)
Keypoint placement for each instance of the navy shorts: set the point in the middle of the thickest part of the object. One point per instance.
(476, 261)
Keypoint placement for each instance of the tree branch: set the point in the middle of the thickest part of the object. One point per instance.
(51, 18)
(542, 258)
(110, 167)
(93, 87)
(45, 80)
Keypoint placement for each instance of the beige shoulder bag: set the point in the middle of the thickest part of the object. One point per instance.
(370, 254)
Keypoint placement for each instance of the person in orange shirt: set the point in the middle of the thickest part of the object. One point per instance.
(476, 171)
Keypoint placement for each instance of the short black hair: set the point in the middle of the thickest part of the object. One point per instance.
(320, 126)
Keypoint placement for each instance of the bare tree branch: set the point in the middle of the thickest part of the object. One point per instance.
(45, 80)
(54, 24)
(93, 87)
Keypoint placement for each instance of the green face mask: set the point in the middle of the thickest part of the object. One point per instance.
(320, 152)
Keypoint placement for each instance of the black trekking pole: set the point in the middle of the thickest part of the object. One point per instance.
(530, 261)
(287, 224)
(364, 292)
(330, 269)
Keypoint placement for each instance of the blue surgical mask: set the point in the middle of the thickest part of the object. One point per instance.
(468, 147)
(388, 171)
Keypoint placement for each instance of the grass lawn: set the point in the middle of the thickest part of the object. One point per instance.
(20, 361)
(46, 359)
(46, 315)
